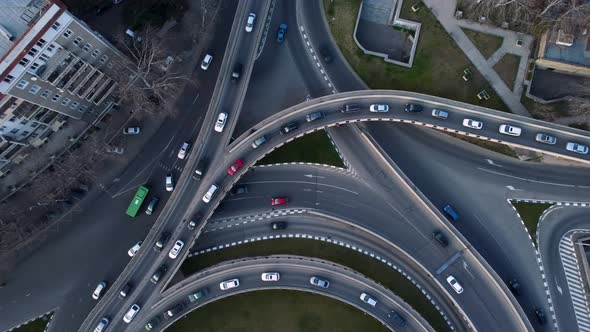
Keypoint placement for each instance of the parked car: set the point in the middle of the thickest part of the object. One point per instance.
(125, 291)
(176, 248)
(514, 286)
(278, 201)
(131, 313)
(278, 225)
(235, 167)
(206, 61)
(281, 33)
(239, 189)
(153, 323)
(131, 131)
(161, 242)
(250, 22)
(288, 127)
(133, 250)
(228, 284)
(397, 318)
(158, 274)
(455, 284)
(220, 123)
(102, 325)
(152, 205)
(314, 116)
(270, 276)
(169, 182)
(413, 108)
(545, 138)
(174, 310)
(99, 290)
(577, 148)
(167, 63)
(510, 130)
(237, 72)
(259, 141)
(183, 150)
(316, 281)
(441, 114)
(198, 294)
(368, 299)
(440, 238)
(450, 212)
(379, 108)
(469, 123)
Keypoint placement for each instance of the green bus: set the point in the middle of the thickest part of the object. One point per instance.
(140, 195)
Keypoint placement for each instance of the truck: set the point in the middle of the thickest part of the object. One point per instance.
(198, 294)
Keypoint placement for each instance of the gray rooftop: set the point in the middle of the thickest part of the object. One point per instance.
(15, 17)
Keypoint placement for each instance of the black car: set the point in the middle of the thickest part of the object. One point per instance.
(174, 310)
(161, 243)
(541, 318)
(413, 108)
(124, 291)
(514, 286)
(153, 323)
(239, 189)
(399, 320)
(278, 225)
(442, 240)
(158, 274)
(288, 127)
(326, 54)
(237, 72)
(152, 206)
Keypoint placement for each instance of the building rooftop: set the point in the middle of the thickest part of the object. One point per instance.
(15, 17)
(574, 54)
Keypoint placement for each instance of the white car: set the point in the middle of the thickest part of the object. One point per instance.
(131, 313)
(183, 150)
(220, 123)
(250, 22)
(176, 248)
(131, 131)
(102, 325)
(169, 183)
(379, 108)
(228, 284)
(578, 148)
(99, 289)
(134, 249)
(510, 130)
(270, 276)
(319, 282)
(368, 300)
(469, 123)
(206, 61)
(455, 284)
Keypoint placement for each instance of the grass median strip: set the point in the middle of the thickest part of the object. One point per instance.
(38, 325)
(530, 214)
(347, 257)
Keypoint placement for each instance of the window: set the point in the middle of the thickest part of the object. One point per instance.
(41, 42)
(65, 102)
(14, 131)
(55, 98)
(86, 47)
(95, 53)
(24, 122)
(51, 48)
(104, 59)
(45, 94)
(34, 89)
(8, 78)
(33, 135)
(44, 57)
(13, 119)
(34, 66)
(22, 84)
(67, 33)
(74, 105)
(33, 51)
(82, 108)
(78, 40)
(55, 25)
(24, 62)
(2, 128)
(24, 133)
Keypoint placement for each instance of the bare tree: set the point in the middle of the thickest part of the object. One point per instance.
(579, 102)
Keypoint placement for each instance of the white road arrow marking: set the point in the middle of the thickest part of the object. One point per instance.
(314, 176)
(557, 285)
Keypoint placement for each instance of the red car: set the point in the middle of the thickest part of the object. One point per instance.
(278, 201)
(235, 167)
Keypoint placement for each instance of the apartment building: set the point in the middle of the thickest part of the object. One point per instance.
(53, 67)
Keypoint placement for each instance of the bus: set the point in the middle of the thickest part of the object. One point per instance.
(140, 195)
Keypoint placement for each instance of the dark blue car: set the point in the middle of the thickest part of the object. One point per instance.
(451, 213)
(281, 33)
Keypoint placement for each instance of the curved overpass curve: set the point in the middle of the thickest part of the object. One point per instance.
(346, 285)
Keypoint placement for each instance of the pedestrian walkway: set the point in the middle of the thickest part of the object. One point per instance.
(574, 281)
(444, 12)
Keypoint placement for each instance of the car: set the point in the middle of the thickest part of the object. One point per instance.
(577, 148)
(193, 223)
(250, 22)
(270, 276)
(259, 141)
(161, 243)
(228, 284)
(124, 291)
(514, 286)
(368, 299)
(413, 108)
(237, 72)
(239, 189)
(510, 130)
(440, 238)
(235, 167)
(169, 182)
(102, 325)
(397, 318)
(541, 318)
(209, 194)
(167, 63)
(441, 114)
(206, 61)
(379, 108)
(545, 138)
(314, 116)
(184, 150)
(131, 131)
(152, 205)
(176, 248)
(99, 289)
(153, 323)
(158, 274)
(350, 108)
(174, 310)
(115, 149)
(455, 284)
(131, 313)
(316, 281)
(450, 212)
(326, 54)
(278, 225)
(288, 127)
(220, 123)
(198, 173)
(473, 124)
(281, 33)
(133, 250)
(198, 294)
(278, 201)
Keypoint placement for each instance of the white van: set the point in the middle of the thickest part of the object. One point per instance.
(212, 190)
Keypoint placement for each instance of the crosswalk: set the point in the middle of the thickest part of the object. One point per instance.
(574, 282)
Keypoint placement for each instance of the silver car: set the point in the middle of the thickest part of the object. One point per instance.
(577, 148)
(546, 139)
(319, 282)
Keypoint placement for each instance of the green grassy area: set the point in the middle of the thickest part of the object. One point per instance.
(359, 262)
(312, 148)
(278, 310)
(38, 325)
(530, 214)
(507, 68)
(438, 64)
(493, 146)
(487, 44)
